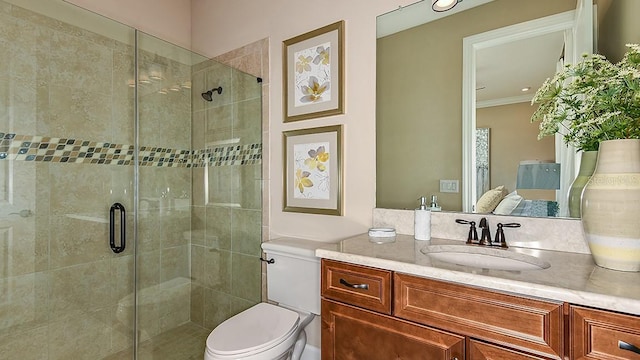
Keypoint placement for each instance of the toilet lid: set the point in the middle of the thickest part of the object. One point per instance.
(260, 326)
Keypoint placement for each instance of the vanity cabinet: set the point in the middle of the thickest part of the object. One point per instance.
(370, 314)
(599, 334)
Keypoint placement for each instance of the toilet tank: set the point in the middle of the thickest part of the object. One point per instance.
(293, 279)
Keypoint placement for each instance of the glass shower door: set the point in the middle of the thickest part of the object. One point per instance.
(101, 126)
(166, 158)
(200, 211)
(66, 135)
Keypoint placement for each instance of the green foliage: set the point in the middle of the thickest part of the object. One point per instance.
(592, 101)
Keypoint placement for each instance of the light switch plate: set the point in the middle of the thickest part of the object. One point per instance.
(449, 186)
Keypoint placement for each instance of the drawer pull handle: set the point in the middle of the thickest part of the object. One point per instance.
(626, 346)
(355, 286)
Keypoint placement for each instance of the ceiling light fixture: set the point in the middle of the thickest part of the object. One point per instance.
(443, 5)
(525, 89)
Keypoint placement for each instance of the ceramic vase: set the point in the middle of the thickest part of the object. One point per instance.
(611, 206)
(587, 165)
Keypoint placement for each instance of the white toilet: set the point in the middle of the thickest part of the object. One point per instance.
(270, 332)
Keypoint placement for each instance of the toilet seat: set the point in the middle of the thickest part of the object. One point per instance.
(256, 329)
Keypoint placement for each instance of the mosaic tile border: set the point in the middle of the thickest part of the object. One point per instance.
(60, 150)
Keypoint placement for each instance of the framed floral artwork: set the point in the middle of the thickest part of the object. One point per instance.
(313, 170)
(313, 73)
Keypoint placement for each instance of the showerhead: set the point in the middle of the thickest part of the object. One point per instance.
(208, 95)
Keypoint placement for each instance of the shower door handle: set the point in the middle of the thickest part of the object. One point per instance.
(112, 228)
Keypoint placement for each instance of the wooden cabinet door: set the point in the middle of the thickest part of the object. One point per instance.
(604, 335)
(350, 333)
(528, 325)
(478, 350)
(357, 285)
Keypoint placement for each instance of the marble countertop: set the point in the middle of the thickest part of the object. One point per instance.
(572, 277)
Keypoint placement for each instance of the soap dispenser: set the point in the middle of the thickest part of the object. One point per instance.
(422, 221)
(434, 204)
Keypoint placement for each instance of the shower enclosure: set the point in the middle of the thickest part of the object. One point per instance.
(130, 206)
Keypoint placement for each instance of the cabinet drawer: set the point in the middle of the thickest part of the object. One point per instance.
(598, 334)
(479, 350)
(529, 325)
(357, 334)
(357, 285)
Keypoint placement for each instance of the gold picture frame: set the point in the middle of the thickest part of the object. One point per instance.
(313, 73)
(313, 170)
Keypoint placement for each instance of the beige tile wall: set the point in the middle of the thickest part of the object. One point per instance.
(62, 288)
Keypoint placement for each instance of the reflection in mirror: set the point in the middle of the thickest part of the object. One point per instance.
(483, 180)
(419, 97)
(500, 68)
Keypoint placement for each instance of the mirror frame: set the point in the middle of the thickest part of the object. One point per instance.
(559, 22)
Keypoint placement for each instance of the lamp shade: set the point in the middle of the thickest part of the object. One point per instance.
(443, 5)
(538, 175)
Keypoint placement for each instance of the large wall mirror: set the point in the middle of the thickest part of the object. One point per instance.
(441, 80)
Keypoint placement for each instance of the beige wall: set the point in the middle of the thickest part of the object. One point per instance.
(514, 138)
(220, 26)
(618, 25)
(419, 96)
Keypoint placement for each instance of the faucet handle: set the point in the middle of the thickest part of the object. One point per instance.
(500, 240)
(511, 225)
(473, 233)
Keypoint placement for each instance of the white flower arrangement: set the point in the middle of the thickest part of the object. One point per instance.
(592, 101)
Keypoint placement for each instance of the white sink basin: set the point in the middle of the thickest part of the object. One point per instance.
(484, 257)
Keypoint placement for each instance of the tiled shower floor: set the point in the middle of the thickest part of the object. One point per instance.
(185, 342)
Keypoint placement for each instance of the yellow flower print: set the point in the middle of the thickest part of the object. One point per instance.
(302, 180)
(313, 92)
(317, 158)
(303, 64)
(323, 57)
